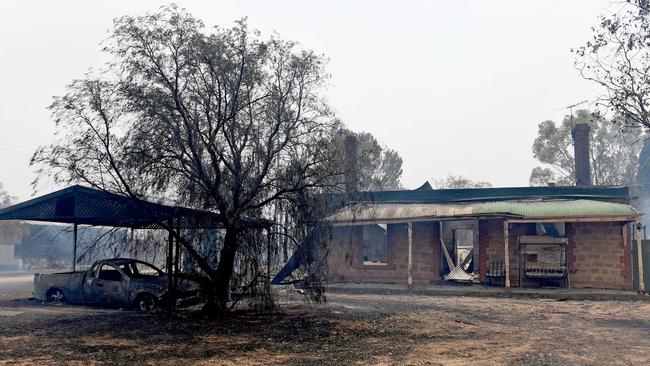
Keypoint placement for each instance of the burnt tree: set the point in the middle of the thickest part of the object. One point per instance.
(221, 120)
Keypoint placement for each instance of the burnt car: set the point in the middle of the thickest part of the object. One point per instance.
(117, 282)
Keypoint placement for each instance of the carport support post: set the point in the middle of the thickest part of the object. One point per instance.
(170, 248)
(74, 247)
(410, 255)
(268, 256)
(506, 249)
(639, 257)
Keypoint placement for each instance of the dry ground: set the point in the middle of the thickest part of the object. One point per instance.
(350, 329)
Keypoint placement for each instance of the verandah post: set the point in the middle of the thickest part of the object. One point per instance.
(506, 255)
(410, 255)
(639, 258)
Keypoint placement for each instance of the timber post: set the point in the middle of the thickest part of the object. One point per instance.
(170, 283)
(639, 258)
(268, 256)
(74, 248)
(506, 255)
(410, 255)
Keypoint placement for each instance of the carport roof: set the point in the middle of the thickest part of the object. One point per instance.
(88, 206)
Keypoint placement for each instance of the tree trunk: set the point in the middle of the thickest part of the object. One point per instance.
(221, 280)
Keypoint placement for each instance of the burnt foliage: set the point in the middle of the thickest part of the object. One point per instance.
(219, 119)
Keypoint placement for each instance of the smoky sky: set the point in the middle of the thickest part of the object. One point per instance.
(454, 86)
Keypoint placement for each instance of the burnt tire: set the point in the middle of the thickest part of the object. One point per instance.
(146, 302)
(55, 296)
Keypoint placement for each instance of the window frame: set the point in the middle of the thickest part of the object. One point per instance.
(390, 263)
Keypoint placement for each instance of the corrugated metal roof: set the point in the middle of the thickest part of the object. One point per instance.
(425, 195)
(520, 209)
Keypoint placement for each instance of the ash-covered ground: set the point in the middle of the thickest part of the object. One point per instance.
(349, 329)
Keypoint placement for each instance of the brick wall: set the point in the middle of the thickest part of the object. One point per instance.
(598, 253)
(491, 246)
(345, 260)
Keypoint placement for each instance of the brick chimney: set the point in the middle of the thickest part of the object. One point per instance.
(351, 165)
(580, 134)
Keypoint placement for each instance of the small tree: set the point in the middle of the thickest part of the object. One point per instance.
(223, 121)
(5, 198)
(459, 181)
(379, 168)
(614, 155)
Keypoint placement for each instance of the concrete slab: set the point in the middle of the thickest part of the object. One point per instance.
(483, 291)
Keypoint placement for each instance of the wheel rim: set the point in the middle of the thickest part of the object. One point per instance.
(56, 296)
(146, 303)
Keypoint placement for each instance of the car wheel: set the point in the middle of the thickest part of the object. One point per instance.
(145, 302)
(56, 296)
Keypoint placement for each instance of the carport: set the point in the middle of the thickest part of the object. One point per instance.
(79, 205)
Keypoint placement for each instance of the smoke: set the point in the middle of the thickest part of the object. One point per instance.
(642, 189)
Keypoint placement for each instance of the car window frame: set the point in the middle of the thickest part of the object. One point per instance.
(159, 272)
(114, 267)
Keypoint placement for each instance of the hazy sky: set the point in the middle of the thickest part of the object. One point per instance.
(454, 86)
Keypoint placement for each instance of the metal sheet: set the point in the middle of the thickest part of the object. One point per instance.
(520, 209)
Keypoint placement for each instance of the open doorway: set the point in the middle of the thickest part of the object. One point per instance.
(459, 250)
(463, 246)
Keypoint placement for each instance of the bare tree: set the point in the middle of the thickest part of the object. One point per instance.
(617, 58)
(223, 121)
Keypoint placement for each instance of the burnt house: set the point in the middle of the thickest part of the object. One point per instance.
(575, 236)
(569, 236)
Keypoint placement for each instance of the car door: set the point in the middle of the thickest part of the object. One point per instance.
(108, 287)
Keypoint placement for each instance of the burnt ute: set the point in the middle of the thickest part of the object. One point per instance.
(113, 282)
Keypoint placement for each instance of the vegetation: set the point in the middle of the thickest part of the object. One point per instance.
(614, 155)
(459, 181)
(220, 120)
(617, 59)
(5, 198)
(379, 167)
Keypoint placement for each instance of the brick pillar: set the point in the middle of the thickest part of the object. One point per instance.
(626, 258)
(436, 254)
(570, 232)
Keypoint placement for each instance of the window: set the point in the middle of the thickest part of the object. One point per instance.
(375, 244)
(554, 229)
(109, 273)
(139, 269)
(143, 269)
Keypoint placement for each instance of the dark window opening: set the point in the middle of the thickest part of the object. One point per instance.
(109, 273)
(375, 244)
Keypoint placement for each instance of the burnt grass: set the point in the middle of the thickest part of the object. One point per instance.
(296, 335)
(350, 329)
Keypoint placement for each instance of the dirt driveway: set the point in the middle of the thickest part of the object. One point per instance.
(350, 329)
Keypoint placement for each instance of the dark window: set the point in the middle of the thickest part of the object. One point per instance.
(109, 273)
(375, 244)
(140, 269)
